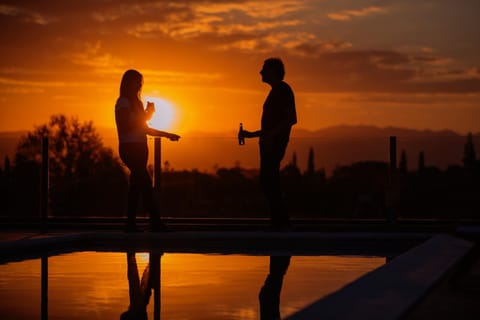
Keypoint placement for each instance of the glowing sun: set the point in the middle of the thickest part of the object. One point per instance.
(164, 113)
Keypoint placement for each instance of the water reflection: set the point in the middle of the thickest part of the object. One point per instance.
(140, 289)
(193, 286)
(269, 295)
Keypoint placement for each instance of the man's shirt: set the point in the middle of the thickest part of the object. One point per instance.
(279, 113)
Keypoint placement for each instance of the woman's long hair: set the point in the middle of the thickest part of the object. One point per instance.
(130, 87)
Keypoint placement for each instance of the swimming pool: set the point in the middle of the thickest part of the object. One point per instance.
(103, 285)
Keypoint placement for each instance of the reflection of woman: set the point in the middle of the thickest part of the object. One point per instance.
(269, 295)
(131, 117)
(140, 290)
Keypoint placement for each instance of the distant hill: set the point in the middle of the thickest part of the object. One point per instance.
(341, 145)
(333, 146)
(364, 131)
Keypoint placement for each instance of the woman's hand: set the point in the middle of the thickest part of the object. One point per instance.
(162, 134)
(173, 137)
(150, 110)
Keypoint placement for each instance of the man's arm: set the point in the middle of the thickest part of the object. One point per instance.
(250, 134)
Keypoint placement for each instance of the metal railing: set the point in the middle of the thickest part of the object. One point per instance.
(164, 182)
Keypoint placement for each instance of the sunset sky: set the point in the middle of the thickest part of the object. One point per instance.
(406, 63)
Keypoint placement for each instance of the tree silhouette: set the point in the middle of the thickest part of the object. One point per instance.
(294, 159)
(421, 161)
(82, 170)
(403, 162)
(311, 162)
(7, 166)
(469, 156)
(75, 149)
(291, 169)
(5, 187)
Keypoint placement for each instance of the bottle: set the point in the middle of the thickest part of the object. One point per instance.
(241, 139)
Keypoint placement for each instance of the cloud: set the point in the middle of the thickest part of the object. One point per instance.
(255, 9)
(146, 11)
(444, 74)
(313, 47)
(25, 15)
(383, 71)
(44, 84)
(194, 20)
(102, 63)
(347, 15)
(169, 77)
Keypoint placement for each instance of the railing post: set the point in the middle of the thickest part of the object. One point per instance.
(157, 164)
(44, 187)
(156, 272)
(44, 287)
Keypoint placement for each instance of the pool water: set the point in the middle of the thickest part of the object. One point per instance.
(100, 285)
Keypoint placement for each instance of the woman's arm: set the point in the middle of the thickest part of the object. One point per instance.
(159, 133)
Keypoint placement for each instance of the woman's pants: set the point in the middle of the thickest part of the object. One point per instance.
(135, 157)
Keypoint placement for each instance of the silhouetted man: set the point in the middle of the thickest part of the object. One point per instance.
(269, 295)
(278, 117)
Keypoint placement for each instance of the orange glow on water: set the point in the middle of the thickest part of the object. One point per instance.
(86, 282)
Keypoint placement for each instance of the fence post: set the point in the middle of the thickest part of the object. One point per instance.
(156, 270)
(157, 171)
(44, 186)
(44, 287)
(157, 164)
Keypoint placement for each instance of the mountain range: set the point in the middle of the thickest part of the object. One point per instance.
(332, 146)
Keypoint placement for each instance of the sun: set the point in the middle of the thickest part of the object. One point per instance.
(164, 114)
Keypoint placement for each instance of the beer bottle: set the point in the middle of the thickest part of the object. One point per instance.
(241, 139)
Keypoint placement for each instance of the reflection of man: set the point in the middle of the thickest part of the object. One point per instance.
(140, 290)
(278, 117)
(270, 293)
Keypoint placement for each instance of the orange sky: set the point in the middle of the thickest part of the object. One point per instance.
(386, 63)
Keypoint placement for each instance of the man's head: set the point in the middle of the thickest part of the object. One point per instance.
(273, 70)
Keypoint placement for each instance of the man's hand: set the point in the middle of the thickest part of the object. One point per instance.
(249, 134)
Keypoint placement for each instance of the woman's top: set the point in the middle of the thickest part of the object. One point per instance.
(131, 121)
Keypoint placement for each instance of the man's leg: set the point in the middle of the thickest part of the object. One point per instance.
(269, 295)
(271, 185)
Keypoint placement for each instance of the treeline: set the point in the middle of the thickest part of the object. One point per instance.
(86, 179)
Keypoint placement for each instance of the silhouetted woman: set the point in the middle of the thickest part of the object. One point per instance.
(140, 289)
(131, 118)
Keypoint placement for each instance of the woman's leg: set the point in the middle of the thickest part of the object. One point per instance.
(133, 155)
(140, 183)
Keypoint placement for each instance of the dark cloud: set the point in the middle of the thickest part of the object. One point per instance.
(40, 36)
(377, 71)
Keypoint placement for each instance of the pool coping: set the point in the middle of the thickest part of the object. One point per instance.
(227, 242)
(394, 289)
